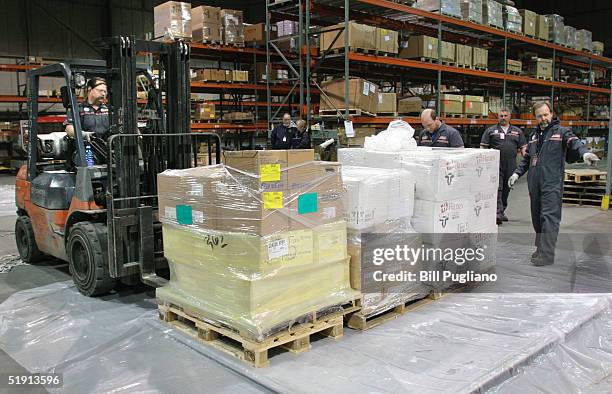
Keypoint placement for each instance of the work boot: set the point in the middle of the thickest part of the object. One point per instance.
(499, 219)
(540, 260)
(504, 218)
(535, 254)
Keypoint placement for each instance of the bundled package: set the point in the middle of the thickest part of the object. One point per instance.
(398, 136)
(447, 7)
(492, 13)
(363, 95)
(513, 21)
(569, 33)
(471, 10)
(584, 40)
(556, 29)
(257, 243)
(233, 29)
(172, 20)
(480, 58)
(206, 24)
(359, 36)
(598, 48)
(530, 21)
(287, 28)
(378, 206)
(420, 47)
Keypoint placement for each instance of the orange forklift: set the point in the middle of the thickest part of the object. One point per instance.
(101, 215)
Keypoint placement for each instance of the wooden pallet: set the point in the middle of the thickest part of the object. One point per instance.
(584, 175)
(352, 111)
(450, 115)
(386, 114)
(495, 26)
(581, 201)
(425, 59)
(365, 51)
(529, 35)
(446, 63)
(541, 77)
(476, 116)
(464, 66)
(481, 68)
(295, 338)
(203, 120)
(235, 44)
(212, 42)
(513, 72)
(359, 321)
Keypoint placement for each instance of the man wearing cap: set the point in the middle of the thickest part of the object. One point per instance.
(93, 112)
(508, 140)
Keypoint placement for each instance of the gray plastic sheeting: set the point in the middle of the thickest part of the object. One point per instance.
(461, 343)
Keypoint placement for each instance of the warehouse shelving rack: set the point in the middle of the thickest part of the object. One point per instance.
(407, 19)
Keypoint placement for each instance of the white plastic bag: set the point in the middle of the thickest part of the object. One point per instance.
(397, 137)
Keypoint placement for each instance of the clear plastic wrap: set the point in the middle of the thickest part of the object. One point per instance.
(471, 10)
(513, 21)
(556, 28)
(584, 40)
(232, 27)
(492, 13)
(504, 343)
(257, 243)
(399, 135)
(447, 7)
(569, 33)
(172, 20)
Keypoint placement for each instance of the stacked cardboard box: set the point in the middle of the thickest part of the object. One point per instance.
(358, 139)
(512, 66)
(234, 254)
(480, 58)
(512, 19)
(448, 52)
(542, 27)
(569, 33)
(232, 26)
(379, 201)
(420, 47)
(556, 29)
(410, 105)
(359, 37)
(530, 21)
(362, 94)
(598, 48)
(455, 198)
(447, 7)
(387, 41)
(451, 104)
(238, 116)
(540, 68)
(492, 13)
(172, 20)
(463, 55)
(471, 10)
(257, 33)
(287, 28)
(584, 40)
(204, 112)
(206, 24)
(240, 76)
(387, 103)
(475, 105)
(211, 74)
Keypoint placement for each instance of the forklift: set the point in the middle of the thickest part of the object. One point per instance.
(102, 217)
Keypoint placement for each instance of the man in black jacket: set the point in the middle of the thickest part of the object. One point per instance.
(549, 146)
(283, 133)
(435, 133)
(509, 140)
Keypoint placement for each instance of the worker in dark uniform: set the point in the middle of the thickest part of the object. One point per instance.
(302, 138)
(438, 134)
(550, 146)
(92, 112)
(283, 133)
(508, 140)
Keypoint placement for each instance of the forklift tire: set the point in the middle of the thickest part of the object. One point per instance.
(87, 259)
(26, 242)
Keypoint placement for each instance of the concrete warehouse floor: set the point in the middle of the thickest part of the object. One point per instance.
(575, 219)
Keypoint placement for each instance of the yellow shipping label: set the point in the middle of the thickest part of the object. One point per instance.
(270, 172)
(273, 200)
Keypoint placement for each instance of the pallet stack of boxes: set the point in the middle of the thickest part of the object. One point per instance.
(363, 96)
(584, 40)
(232, 27)
(206, 24)
(172, 20)
(556, 28)
(530, 21)
(512, 20)
(287, 28)
(455, 198)
(446, 7)
(256, 243)
(492, 13)
(471, 10)
(569, 33)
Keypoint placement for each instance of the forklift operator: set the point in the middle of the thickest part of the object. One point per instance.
(93, 112)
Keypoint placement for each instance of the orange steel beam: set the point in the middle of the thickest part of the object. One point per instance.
(382, 120)
(467, 71)
(229, 126)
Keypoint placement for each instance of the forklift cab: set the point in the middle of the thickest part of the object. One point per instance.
(103, 218)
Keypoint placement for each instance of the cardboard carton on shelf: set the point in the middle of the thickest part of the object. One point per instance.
(257, 33)
(171, 20)
(448, 52)
(387, 41)
(363, 95)
(492, 13)
(359, 37)
(238, 116)
(530, 21)
(451, 104)
(480, 58)
(233, 28)
(471, 10)
(540, 68)
(387, 103)
(463, 55)
(420, 47)
(410, 105)
(542, 27)
(204, 112)
(207, 33)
